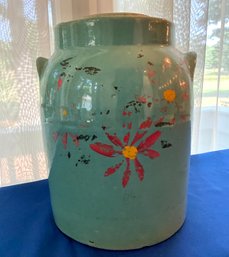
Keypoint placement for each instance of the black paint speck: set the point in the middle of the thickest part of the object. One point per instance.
(91, 70)
(93, 137)
(140, 55)
(162, 124)
(165, 144)
(135, 105)
(80, 68)
(116, 88)
(86, 138)
(104, 127)
(69, 155)
(80, 137)
(108, 111)
(83, 159)
(65, 62)
(86, 161)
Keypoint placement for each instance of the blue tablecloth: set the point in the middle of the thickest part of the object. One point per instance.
(27, 227)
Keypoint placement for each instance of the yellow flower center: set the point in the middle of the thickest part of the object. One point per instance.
(64, 112)
(130, 152)
(169, 95)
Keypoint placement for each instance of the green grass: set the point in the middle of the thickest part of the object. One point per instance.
(210, 85)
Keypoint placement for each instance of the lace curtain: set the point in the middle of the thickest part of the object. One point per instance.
(24, 35)
(26, 32)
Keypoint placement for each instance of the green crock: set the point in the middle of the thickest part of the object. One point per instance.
(115, 105)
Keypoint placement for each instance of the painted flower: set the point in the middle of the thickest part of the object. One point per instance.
(64, 138)
(129, 150)
(169, 95)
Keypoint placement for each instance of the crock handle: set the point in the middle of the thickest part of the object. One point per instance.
(190, 58)
(41, 63)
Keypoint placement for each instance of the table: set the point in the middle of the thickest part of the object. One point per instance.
(27, 227)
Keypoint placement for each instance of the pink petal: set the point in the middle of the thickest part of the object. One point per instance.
(151, 73)
(146, 124)
(114, 139)
(111, 170)
(150, 153)
(139, 169)
(141, 99)
(129, 125)
(149, 141)
(126, 175)
(55, 136)
(60, 82)
(65, 140)
(138, 136)
(103, 149)
(126, 138)
(75, 139)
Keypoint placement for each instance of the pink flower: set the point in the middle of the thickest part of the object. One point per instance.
(65, 138)
(130, 151)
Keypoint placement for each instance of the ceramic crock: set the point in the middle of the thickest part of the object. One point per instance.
(115, 105)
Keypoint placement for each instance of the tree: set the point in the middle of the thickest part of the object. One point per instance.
(217, 14)
(212, 56)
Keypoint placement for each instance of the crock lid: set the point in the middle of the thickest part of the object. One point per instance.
(113, 29)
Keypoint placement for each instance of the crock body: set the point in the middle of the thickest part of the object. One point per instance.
(116, 123)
